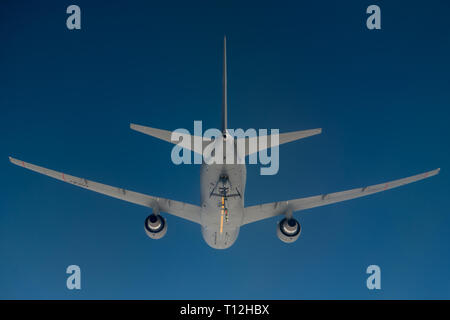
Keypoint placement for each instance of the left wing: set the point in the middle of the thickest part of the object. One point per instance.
(180, 209)
(268, 210)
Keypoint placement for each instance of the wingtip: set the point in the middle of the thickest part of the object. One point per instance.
(136, 127)
(14, 161)
(432, 172)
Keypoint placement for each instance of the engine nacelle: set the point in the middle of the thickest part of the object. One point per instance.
(155, 226)
(288, 230)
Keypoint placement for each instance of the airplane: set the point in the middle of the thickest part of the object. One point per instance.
(222, 212)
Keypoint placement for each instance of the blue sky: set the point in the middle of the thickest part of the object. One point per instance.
(67, 98)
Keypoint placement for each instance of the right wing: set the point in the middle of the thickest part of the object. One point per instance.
(268, 210)
(180, 209)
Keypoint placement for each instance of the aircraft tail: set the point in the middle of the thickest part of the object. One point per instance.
(224, 87)
(190, 142)
(194, 143)
(282, 139)
(161, 134)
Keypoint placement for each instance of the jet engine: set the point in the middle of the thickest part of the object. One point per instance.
(155, 226)
(288, 230)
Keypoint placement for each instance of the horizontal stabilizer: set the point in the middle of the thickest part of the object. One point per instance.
(164, 135)
(282, 139)
(187, 140)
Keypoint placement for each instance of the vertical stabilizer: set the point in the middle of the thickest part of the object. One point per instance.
(224, 87)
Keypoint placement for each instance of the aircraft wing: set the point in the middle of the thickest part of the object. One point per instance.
(268, 210)
(180, 209)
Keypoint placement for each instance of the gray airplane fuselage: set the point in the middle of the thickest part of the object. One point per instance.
(220, 223)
